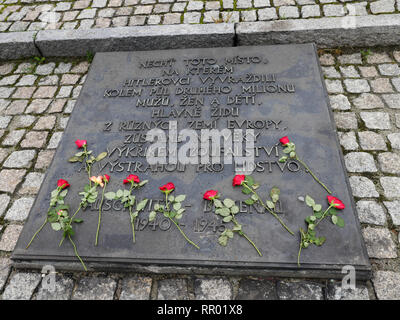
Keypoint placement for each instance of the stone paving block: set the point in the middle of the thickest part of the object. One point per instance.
(394, 139)
(10, 178)
(348, 140)
(382, 6)
(353, 58)
(256, 290)
(381, 85)
(4, 201)
(34, 139)
(334, 86)
(62, 290)
(371, 212)
(267, 14)
(21, 286)
(299, 291)
(391, 186)
(20, 159)
(44, 159)
(345, 120)
(5, 265)
(310, 11)
(13, 138)
(389, 162)
(349, 72)
(368, 72)
(379, 243)
(387, 285)
(172, 289)
(360, 162)
(378, 57)
(22, 122)
(32, 183)
(363, 187)
(335, 292)
(95, 288)
(392, 100)
(45, 123)
(54, 140)
(212, 289)
(376, 120)
(16, 107)
(23, 92)
(371, 141)
(334, 10)
(288, 12)
(327, 59)
(19, 211)
(9, 238)
(136, 288)
(393, 208)
(368, 101)
(339, 102)
(356, 85)
(389, 69)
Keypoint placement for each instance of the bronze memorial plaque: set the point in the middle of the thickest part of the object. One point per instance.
(195, 120)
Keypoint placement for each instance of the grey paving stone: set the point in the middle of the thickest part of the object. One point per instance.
(349, 72)
(345, 120)
(393, 208)
(62, 289)
(378, 57)
(10, 178)
(38, 106)
(368, 101)
(5, 265)
(376, 120)
(339, 102)
(356, 85)
(16, 107)
(212, 289)
(19, 211)
(389, 69)
(256, 290)
(354, 58)
(371, 141)
(389, 162)
(289, 12)
(334, 86)
(363, 187)
(13, 137)
(382, 6)
(391, 186)
(34, 139)
(4, 201)
(44, 159)
(348, 140)
(54, 140)
(247, 15)
(195, 5)
(20, 159)
(334, 10)
(381, 85)
(310, 11)
(394, 139)
(368, 72)
(335, 292)
(136, 288)
(327, 59)
(360, 162)
(387, 285)
(8, 81)
(392, 100)
(172, 289)
(6, 92)
(45, 69)
(32, 183)
(9, 238)
(21, 286)
(379, 243)
(299, 291)
(4, 121)
(371, 212)
(267, 14)
(95, 288)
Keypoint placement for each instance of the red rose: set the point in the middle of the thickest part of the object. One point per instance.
(238, 180)
(284, 140)
(80, 143)
(131, 178)
(167, 187)
(210, 194)
(106, 177)
(62, 184)
(336, 202)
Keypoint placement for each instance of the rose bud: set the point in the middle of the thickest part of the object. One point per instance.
(106, 178)
(167, 188)
(80, 143)
(284, 140)
(62, 184)
(210, 194)
(97, 180)
(238, 180)
(336, 203)
(131, 178)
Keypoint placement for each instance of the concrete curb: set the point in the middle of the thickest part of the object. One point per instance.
(16, 45)
(380, 30)
(353, 31)
(79, 42)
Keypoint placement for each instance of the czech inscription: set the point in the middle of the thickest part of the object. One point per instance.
(197, 117)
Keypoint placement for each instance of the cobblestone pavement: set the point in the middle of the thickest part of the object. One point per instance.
(364, 89)
(30, 15)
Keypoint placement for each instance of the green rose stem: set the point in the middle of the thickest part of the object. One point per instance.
(87, 166)
(79, 208)
(302, 233)
(76, 252)
(101, 204)
(180, 230)
(132, 218)
(268, 209)
(41, 227)
(313, 175)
